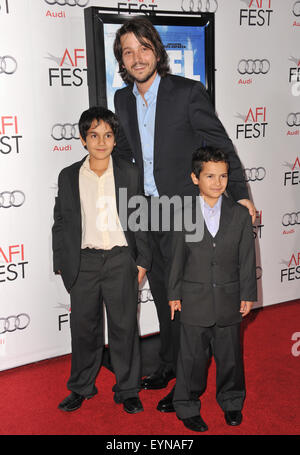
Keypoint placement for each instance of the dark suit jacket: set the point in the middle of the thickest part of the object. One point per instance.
(66, 231)
(185, 120)
(212, 276)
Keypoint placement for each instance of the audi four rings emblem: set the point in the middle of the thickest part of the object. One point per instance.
(8, 64)
(254, 66)
(201, 6)
(296, 9)
(81, 3)
(66, 131)
(293, 119)
(290, 219)
(255, 173)
(13, 323)
(11, 199)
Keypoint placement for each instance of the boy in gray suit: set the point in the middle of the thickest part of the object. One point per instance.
(212, 283)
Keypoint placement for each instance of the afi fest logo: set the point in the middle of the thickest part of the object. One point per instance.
(294, 76)
(292, 177)
(291, 269)
(12, 263)
(143, 5)
(254, 124)
(258, 13)
(71, 70)
(257, 227)
(9, 134)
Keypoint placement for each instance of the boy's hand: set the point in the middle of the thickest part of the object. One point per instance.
(175, 305)
(250, 206)
(245, 307)
(141, 273)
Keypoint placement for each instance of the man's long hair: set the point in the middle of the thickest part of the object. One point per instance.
(143, 30)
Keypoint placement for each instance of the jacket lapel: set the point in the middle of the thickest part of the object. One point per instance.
(74, 177)
(161, 114)
(134, 127)
(225, 218)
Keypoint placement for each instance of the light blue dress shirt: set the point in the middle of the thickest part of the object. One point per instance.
(211, 215)
(146, 122)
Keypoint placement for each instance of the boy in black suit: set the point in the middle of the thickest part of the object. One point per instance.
(99, 260)
(213, 283)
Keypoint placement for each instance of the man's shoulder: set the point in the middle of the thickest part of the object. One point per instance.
(181, 82)
(123, 92)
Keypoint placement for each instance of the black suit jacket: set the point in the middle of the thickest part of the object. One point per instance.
(212, 276)
(66, 230)
(185, 120)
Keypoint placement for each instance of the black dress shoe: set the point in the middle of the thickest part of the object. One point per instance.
(166, 404)
(131, 405)
(195, 423)
(233, 418)
(158, 380)
(72, 402)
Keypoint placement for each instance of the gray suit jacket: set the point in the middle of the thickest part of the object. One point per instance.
(212, 276)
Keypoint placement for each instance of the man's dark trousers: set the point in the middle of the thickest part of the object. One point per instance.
(109, 276)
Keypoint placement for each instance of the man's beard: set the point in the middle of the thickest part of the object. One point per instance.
(145, 78)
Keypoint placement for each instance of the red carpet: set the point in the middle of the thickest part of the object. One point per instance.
(30, 394)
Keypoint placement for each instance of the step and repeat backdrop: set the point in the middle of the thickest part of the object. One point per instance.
(43, 88)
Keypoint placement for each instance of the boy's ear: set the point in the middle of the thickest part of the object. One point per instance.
(194, 178)
(82, 141)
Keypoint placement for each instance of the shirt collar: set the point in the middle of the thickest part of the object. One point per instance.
(216, 208)
(151, 92)
(86, 165)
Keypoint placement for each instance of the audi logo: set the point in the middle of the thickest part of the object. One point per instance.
(201, 6)
(290, 219)
(145, 296)
(296, 9)
(66, 131)
(13, 323)
(8, 64)
(255, 173)
(293, 119)
(81, 3)
(9, 199)
(253, 66)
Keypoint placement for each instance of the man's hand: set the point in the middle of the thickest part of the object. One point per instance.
(250, 206)
(141, 273)
(174, 305)
(245, 307)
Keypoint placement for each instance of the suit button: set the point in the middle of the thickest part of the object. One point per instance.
(213, 263)
(214, 244)
(214, 285)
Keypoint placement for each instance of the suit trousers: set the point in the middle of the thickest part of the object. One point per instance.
(109, 276)
(197, 346)
(160, 243)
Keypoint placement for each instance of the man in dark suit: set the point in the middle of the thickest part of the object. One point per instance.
(213, 283)
(100, 259)
(164, 118)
